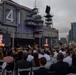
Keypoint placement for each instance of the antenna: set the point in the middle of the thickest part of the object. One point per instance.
(1, 1)
(35, 3)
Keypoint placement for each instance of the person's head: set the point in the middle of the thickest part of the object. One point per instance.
(20, 53)
(60, 57)
(25, 55)
(42, 61)
(62, 49)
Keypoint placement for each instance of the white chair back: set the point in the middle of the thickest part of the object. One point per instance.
(21, 70)
(71, 74)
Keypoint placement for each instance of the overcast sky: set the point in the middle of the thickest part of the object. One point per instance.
(64, 12)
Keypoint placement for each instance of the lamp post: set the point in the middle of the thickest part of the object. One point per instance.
(35, 3)
(13, 35)
(51, 39)
(40, 36)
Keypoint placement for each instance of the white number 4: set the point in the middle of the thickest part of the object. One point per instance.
(10, 16)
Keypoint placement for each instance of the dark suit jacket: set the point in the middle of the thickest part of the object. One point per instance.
(72, 69)
(61, 68)
(23, 64)
(41, 71)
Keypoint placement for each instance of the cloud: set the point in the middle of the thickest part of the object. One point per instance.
(64, 12)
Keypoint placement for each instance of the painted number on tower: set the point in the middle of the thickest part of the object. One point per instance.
(10, 16)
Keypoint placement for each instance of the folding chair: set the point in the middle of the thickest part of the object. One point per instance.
(1, 63)
(9, 69)
(24, 71)
(71, 74)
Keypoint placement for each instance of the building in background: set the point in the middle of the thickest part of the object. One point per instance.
(67, 39)
(24, 25)
(72, 33)
(63, 41)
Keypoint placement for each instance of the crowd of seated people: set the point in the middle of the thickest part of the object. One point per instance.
(62, 62)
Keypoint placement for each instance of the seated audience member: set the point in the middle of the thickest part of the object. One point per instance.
(8, 58)
(14, 53)
(72, 68)
(46, 56)
(40, 53)
(19, 56)
(74, 53)
(9, 61)
(55, 53)
(51, 49)
(42, 70)
(63, 51)
(23, 64)
(35, 61)
(68, 58)
(61, 68)
(30, 57)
